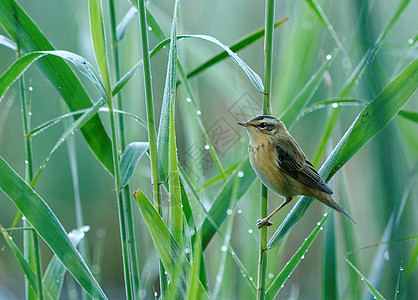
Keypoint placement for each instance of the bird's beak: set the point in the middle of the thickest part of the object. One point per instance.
(244, 124)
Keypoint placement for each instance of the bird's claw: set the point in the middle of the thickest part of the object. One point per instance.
(263, 222)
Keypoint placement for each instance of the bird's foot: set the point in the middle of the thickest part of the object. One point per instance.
(263, 222)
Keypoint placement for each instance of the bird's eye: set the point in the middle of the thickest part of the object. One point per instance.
(263, 125)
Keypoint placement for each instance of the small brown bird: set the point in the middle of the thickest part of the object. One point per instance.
(282, 166)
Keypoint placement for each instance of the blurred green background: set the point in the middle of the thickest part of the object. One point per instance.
(370, 186)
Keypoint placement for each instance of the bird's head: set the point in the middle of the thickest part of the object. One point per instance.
(263, 127)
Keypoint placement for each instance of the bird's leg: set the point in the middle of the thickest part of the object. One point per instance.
(265, 221)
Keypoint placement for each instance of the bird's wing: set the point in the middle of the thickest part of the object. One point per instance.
(293, 162)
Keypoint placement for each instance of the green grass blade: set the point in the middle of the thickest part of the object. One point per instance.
(291, 265)
(46, 224)
(24, 265)
(329, 273)
(169, 98)
(373, 291)
(223, 199)
(370, 121)
(130, 158)
(30, 38)
(193, 282)
(167, 248)
(409, 115)
(99, 45)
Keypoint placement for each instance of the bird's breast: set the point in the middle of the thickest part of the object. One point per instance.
(264, 162)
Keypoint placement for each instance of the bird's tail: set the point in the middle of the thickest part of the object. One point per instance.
(329, 200)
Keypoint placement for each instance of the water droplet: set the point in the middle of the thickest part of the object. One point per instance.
(321, 228)
(250, 231)
(165, 272)
(346, 62)
(302, 257)
(317, 224)
(328, 57)
(29, 113)
(228, 211)
(26, 162)
(30, 89)
(401, 269)
(188, 100)
(240, 174)
(207, 147)
(23, 218)
(362, 278)
(334, 105)
(386, 255)
(325, 214)
(224, 248)
(199, 112)
(155, 294)
(243, 275)
(149, 28)
(251, 279)
(410, 41)
(218, 278)
(192, 232)
(271, 275)
(239, 211)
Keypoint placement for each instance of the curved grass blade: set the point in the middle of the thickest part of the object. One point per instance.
(8, 43)
(374, 292)
(167, 248)
(370, 121)
(19, 67)
(291, 265)
(24, 31)
(235, 47)
(333, 103)
(47, 225)
(130, 158)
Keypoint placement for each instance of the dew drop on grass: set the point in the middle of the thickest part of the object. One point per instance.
(328, 57)
(188, 100)
(239, 211)
(26, 162)
(207, 147)
(23, 218)
(321, 228)
(250, 231)
(199, 112)
(240, 174)
(192, 232)
(271, 275)
(386, 255)
(317, 223)
(30, 89)
(401, 269)
(334, 105)
(251, 279)
(228, 211)
(303, 256)
(187, 250)
(410, 41)
(29, 113)
(224, 248)
(149, 28)
(155, 294)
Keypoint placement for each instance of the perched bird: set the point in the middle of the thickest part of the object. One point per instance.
(282, 166)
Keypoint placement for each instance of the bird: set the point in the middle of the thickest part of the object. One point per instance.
(282, 166)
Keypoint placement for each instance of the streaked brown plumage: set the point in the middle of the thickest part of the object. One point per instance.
(282, 166)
